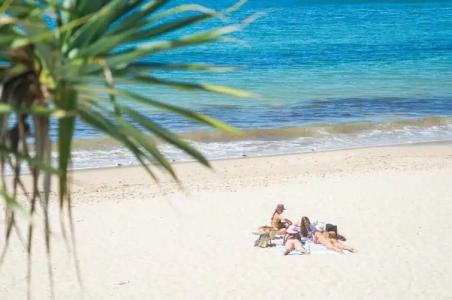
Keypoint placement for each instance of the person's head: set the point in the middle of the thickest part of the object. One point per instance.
(304, 225)
(305, 221)
(293, 229)
(332, 235)
(280, 208)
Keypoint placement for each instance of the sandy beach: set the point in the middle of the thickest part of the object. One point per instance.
(140, 240)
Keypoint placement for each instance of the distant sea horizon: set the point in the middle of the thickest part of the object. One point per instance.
(333, 75)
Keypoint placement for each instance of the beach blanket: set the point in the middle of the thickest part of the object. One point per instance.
(308, 245)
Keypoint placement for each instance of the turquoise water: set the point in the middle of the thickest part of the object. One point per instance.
(321, 66)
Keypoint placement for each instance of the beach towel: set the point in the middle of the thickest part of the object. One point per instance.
(308, 245)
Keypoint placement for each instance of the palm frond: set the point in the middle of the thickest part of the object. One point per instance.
(64, 62)
(195, 116)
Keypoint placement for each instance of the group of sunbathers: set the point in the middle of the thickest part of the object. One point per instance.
(296, 235)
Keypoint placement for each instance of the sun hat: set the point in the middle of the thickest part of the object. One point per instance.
(280, 206)
(293, 229)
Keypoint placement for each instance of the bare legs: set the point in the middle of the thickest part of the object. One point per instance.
(332, 244)
(294, 244)
(281, 231)
(342, 246)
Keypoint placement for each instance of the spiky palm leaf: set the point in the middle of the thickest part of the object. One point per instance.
(46, 71)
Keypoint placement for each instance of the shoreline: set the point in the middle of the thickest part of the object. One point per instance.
(304, 130)
(215, 145)
(175, 163)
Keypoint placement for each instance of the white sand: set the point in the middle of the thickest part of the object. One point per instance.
(137, 240)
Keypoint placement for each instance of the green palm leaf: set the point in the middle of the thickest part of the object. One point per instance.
(213, 88)
(72, 70)
(165, 134)
(195, 116)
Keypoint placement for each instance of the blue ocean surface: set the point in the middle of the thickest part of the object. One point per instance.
(332, 75)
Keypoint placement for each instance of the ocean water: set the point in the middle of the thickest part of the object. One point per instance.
(332, 75)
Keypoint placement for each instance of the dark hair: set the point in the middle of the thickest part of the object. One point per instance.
(304, 227)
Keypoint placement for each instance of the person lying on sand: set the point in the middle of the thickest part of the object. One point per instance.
(330, 241)
(292, 240)
(308, 228)
(278, 221)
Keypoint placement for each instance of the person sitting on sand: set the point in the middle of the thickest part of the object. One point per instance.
(330, 241)
(307, 228)
(292, 240)
(278, 221)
